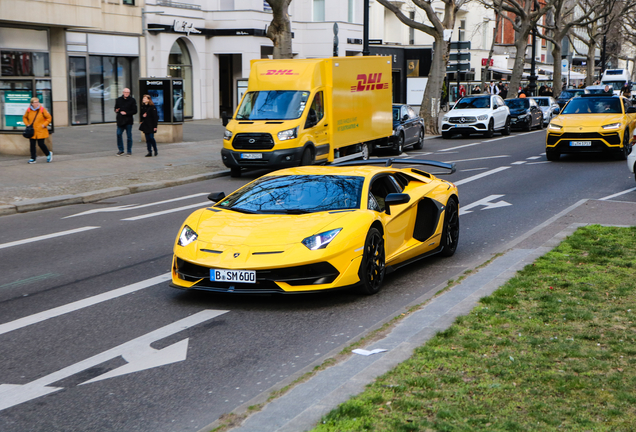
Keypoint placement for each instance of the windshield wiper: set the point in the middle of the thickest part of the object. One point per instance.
(297, 211)
(240, 210)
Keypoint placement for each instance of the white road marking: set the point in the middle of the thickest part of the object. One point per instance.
(47, 236)
(137, 352)
(149, 215)
(481, 158)
(497, 139)
(461, 146)
(617, 194)
(482, 175)
(487, 202)
(518, 163)
(474, 169)
(534, 157)
(80, 304)
(431, 137)
(135, 206)
(537, 163)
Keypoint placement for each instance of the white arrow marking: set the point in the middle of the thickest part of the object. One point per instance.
(137, 353)
(484, 202)
(134, 206)
(46, 237)
(482, 175)
(159, 213)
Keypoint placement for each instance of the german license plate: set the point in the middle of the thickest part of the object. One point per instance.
(251, 155)
(241, 276)
(580, 143)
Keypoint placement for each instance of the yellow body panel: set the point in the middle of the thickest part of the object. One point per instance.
(357, 102)
(237, 241)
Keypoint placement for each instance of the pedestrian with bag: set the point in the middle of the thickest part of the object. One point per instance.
(126, 108)
(148, 124)
(37, 118)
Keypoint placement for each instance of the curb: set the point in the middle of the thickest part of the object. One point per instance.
(89, 197)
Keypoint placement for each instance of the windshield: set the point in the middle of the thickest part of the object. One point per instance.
(616, 85)
(596, 90)
(272, 105)
(593, 105)
(517, 103)
(542, 102)
(296, 194)
(473, 102)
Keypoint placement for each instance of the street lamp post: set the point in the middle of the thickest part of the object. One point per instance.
(533, 78)
(365, 30)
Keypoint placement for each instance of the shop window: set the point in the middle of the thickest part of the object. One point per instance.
(129, 2)
(24, 63)
(15, 97)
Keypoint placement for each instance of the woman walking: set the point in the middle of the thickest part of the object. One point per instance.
(148, 125)
(38, 117)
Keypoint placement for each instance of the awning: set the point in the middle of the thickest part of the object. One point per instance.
(500, 70)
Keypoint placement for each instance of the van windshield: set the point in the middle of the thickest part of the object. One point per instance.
(617, 85)
(273, 105)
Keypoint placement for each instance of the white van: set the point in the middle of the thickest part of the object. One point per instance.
(617, 78)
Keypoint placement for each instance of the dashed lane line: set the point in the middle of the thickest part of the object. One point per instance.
(47, 236)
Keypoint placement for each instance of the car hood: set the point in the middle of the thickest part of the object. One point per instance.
(587, 122)
(516, 112)
(471, 112)
(228, 228)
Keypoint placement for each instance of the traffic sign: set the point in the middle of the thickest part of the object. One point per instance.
(457, 66)
(463, 45)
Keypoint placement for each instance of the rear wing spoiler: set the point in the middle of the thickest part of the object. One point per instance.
(390, 161)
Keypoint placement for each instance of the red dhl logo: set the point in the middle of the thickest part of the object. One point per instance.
(369, 82)
(280, 72)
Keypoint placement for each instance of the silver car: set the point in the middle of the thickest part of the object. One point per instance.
(549, 107)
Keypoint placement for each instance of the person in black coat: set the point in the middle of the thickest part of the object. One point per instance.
(126, 108)
(148, 125)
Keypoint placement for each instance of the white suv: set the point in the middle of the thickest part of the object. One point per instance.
(484, 114)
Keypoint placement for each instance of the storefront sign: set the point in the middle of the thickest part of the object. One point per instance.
(16, 103)
(184, 27)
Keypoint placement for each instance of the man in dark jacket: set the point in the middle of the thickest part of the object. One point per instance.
(126, 108)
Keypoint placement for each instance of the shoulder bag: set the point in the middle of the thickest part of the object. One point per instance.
(29, 131)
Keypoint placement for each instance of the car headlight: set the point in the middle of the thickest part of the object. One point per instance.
(227, 135)
(288, 134)
(187, 236)
(612, 126)
(555, 126)
(482, 117)
(320, 241)
(445, 118)
(522, 116)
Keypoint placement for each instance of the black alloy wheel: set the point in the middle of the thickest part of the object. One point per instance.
(626, 150)
(419, 145)
(446, 135)
(506, 129)
(399, 144)
(372, 267)
(450, 233)
(491, 129)
(528, 127)
(552, 156)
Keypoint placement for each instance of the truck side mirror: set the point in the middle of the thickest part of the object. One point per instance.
(312, 119)
(216, 196)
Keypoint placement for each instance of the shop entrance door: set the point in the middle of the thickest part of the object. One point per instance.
(78, 106)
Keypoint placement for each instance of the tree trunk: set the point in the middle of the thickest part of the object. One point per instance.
(591, 51)
(429, 109)
(279, 30)
(556, 73)
(520, 59)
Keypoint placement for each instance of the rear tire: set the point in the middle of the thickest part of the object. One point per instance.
(450, 233)
(372, 267)
(419, 145)
(364, 147)
(506, 129)
(235, 172)
(399, 145)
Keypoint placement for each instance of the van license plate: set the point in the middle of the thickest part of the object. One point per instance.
(580, 143)
(241, 276)
(251, 155)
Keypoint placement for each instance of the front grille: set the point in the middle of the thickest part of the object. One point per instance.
(460, 120)
(253, 141)
(611, 138)
(310, 274)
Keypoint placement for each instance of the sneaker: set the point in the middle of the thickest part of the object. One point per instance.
(120, 153)
(128, 154)
(149, 155)
(156, 154)
(31, 160)
(49, 158)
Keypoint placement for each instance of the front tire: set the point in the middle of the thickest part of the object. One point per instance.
(626, 148)
(552, 156)
(491, 129)
(307, 158)
(450, 233)
(235, 172)
(372, 267)
(365, 151)
(446, 135)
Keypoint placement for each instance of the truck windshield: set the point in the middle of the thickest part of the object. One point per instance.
(273, 105)
(617, 85)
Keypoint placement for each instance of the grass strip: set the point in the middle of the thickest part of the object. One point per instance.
(551, 350)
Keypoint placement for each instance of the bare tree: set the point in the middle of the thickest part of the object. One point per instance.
(565, 15)
(429, 110)
(498, 20)
(279, 30)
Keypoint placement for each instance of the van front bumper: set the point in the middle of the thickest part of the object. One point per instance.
(254, 159)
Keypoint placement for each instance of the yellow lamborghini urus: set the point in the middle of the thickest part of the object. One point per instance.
(592, 123)
(317, 228)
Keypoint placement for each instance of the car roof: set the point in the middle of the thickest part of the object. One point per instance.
(356, 170)
(598, 96)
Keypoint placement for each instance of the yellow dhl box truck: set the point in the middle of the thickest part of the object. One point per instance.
(306, 111)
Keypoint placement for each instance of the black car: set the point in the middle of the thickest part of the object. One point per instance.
(568, 94)
(524, 114)
(408, 130)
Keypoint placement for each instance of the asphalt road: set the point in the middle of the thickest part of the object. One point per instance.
(93, 338)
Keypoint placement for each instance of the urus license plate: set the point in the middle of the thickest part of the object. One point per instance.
(580, 143)
(240, 276)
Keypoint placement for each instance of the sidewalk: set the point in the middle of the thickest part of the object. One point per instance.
(85, 167)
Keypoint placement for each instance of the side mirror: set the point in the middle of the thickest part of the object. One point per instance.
(631, 110)
(405, 118)
(395, 199)
(216, 196)
(556, 110)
